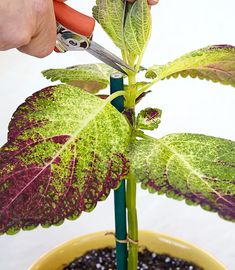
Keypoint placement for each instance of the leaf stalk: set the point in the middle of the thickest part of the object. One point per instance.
(115, 95)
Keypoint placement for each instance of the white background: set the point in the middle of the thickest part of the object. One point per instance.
(188, 106)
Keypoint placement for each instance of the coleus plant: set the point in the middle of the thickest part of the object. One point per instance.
(67, 147)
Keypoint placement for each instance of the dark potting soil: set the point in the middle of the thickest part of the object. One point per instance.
(104, 259)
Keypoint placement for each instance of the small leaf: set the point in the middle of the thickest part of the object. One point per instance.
(129, 113)
(197, 168)
(90, 77)
(137, 27)
(149, 118)
(215, 63)
(65, 151)
(102, 96)
(141, 96)
(110, 15)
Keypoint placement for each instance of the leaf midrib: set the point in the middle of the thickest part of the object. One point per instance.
(72, 138)
(185, 162)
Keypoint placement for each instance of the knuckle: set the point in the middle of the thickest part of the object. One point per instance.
(14, 41)
(47, 47)
(4, 45)
(22, 39)
(44, 52)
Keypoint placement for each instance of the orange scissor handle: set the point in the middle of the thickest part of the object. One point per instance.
(74, 20)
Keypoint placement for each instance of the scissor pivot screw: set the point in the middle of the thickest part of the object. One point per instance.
(73, 43)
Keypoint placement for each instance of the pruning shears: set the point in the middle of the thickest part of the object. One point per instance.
(74, 33)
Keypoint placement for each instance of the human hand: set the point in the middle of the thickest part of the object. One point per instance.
(28, 25)
(151, 2)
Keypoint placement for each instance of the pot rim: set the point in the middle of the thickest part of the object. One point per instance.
(110, 240)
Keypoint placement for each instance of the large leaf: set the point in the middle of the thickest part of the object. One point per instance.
(65, 151)
(90, 77)
(137, 27)
(215, 63)
(198, 168)
(111, 14)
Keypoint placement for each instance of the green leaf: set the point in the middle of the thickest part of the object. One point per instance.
(215, 63)
(111, 14)
(65, 151)
(90, 77)
(137, 27)
(197, 168)
(129, 26)
(149, 118)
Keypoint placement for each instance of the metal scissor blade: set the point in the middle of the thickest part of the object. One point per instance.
(106, 61)
(108, 57)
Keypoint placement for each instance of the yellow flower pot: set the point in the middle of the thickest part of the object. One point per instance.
(57, 258)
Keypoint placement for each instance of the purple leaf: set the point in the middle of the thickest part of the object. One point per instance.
(60, 159)
(149, 118)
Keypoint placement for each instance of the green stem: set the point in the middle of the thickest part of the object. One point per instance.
(132, 223)
(130, 96)
(132, 79)
(137, 66)
(131, 189)
(124, 56)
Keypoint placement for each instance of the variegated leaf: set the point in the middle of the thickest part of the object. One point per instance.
(110, 15)
(149, 118)
(197, 168)
(65, 151)
(215, 63)
(137, 27)
(90, 77)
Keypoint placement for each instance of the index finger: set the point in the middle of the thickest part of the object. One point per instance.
(153, 2)
(150, 2)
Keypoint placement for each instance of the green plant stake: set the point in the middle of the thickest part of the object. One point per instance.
(116, 84)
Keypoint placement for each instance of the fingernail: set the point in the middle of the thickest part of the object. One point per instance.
(153, 2)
